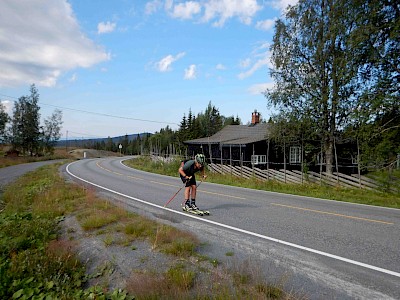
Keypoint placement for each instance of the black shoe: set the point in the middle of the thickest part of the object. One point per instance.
(187, 207)
(194, 207)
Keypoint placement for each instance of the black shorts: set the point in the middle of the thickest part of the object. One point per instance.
(190, 182)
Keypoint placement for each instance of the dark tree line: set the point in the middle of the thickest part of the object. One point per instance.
(191, 127)
(24, 133)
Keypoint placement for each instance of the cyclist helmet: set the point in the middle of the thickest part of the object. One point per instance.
(200, 159)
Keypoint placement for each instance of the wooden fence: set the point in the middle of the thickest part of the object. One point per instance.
(285, 176)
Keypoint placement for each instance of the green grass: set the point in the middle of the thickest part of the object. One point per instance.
(36, 264)
(11, 161)
(385, 197)
(33, 262)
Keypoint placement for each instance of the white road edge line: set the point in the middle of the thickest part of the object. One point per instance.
(357, 263)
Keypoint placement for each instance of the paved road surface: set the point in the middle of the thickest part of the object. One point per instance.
(340, 250)
(328, 249)
(9, 174)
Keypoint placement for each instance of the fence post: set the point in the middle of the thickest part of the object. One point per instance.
(268, 160)
(358, 163)
(337, 167)
(284, 157)
(398, 161)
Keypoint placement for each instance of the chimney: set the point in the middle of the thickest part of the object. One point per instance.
(255, 117)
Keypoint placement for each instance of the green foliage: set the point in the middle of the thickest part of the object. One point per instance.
(51, 132)
(330, 76)
(34, 264)
(4, 118)
(25, 123)
(172, 241)
(22, 231)
(191, 127)
(139, 228)
(25, 133)
(145, 163)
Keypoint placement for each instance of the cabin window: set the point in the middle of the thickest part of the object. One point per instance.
(258, 159)
(295, 155)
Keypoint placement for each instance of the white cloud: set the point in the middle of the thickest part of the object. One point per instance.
(260, 88)
(186, 10)
(218, 11)
(73, 78)
(168, 4)
(8, 105)
(222, 10)
(165, 63)
(152, 7)
(257, 65)
(283, 4)
(190, 73)
(220, 67)
(105, 27)
(261, 57)
(266, 24)
(41, 49)
(245, 63)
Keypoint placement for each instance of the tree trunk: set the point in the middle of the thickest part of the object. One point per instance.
(329, 155)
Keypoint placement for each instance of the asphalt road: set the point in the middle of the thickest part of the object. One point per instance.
(9, 174)
(326, 249)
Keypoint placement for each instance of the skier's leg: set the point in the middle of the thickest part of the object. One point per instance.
(193, 197)
(187, 197)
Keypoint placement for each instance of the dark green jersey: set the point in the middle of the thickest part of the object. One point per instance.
(189, 167)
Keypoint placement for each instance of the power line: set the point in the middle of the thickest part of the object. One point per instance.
(99, 114)
(85, 134)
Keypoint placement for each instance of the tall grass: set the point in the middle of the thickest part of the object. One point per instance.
(386, 197)
(34, 262)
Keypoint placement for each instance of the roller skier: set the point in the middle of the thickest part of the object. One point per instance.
(187, 172)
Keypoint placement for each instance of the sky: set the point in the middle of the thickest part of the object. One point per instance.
(131, 66)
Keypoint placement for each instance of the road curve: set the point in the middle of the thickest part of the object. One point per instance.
(332, 250)
(9, 174)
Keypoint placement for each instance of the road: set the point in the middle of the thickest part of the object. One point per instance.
(9, 174)
(327, 249)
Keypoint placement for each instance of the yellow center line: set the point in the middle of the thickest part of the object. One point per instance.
(223, 195)
(133, 177)
(205, 192)
(161, 183)
(333, 214)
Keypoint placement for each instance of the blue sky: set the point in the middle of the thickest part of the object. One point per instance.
(128, 66)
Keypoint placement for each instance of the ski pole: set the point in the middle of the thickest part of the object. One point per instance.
(176, 193)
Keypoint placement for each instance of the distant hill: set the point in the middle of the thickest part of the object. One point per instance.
(115, 140)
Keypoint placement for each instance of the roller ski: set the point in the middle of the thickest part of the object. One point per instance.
(193, 209)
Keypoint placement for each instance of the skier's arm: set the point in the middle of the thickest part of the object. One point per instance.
(182, 172)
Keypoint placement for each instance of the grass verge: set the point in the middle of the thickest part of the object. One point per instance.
(36, 263)
(354, 195)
